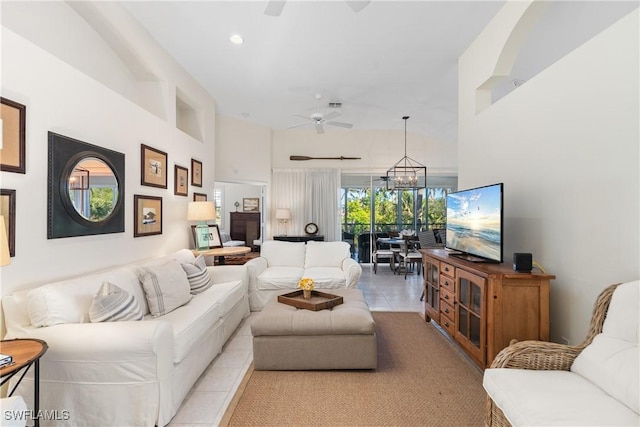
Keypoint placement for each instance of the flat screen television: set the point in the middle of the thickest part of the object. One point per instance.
(475, 223)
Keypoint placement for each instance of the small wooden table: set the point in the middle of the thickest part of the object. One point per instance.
(222, 252)
(25, 352)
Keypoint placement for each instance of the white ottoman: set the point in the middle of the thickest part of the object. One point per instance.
(287, 338)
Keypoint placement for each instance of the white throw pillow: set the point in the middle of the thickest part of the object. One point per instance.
(198, 275)
(113, 304)
(165, 286)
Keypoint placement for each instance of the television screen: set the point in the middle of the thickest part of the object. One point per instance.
(474, 223)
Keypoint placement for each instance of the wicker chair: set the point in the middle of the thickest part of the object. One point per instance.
(541, 355)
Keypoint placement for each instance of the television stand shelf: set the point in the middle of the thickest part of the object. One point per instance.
(483, 306)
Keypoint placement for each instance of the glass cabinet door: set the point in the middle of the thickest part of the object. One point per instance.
(471, 313)
(431, 289)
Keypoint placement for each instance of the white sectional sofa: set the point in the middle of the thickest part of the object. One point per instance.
(597, 383)
(282, 264)
(128, 372)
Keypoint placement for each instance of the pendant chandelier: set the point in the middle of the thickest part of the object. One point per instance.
(407, 173)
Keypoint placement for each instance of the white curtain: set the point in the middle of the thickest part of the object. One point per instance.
(312, 195)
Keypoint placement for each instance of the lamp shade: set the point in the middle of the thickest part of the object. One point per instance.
(201, 211)
(283, 214)
(5, 257)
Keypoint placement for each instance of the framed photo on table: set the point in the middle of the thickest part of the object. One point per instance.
(215, 241)
(8, 211)
(147, 215)
(180, 181)
(14, 125)
(196, 173)
(153, 167)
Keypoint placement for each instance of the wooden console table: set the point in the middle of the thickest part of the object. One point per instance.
(484, 306)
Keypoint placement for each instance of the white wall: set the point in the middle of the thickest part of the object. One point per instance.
(566, 145)
(378, 150)
(61, 98)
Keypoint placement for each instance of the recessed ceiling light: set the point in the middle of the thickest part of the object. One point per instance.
(236, 39)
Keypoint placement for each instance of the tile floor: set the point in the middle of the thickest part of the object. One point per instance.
(206, 403)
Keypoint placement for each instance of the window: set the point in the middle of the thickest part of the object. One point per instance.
(218, 200)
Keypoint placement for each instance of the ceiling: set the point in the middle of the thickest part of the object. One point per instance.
(391, 59)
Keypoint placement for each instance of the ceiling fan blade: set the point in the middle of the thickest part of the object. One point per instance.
(319, 127)
(332, 115)
(302, 116)
(274, 7)
(298, 125)
(341, 124)
(357, 5)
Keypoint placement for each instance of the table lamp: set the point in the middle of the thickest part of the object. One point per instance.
(201, 212)
(5, 256)
(283, 216)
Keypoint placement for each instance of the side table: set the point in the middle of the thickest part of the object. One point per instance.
(25, 352)
(222, 252)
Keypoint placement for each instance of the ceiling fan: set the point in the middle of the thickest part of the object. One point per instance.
(318, 119)
(274, 7)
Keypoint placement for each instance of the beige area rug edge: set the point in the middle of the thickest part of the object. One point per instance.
(458, 375)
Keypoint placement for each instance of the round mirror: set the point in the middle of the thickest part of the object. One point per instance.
(93, 189)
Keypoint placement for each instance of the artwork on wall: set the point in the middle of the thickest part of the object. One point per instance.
(14, 119)
(215, 241)
(196, 173)
(251, 205)
(180, 181)
(147, 215)
(8, 211)
(153, 167)
(86, 189)
(199, 197)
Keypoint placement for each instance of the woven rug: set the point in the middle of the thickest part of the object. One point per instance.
(422, 379)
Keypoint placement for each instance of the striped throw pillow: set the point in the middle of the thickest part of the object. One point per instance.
(113, 304)
(198, 275)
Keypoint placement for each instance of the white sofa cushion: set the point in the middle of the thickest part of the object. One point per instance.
(283, 254)
(326, 254)
(611, 360)
(554, 398)
(69, 301)
(228, 294)
(113, 304)
(326, 277)
(165, 286)
(280, 278)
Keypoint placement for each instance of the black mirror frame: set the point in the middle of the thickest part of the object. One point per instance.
(62, 218)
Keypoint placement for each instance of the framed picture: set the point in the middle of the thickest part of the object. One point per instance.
(153, 167)
(199, 197)
(180, 181)
(196, 173)
(14, 125)
(147, 215)
(215, 241)
(251, 205)
(8, 211)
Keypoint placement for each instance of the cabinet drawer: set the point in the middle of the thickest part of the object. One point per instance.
(448, 325)
(447, 269)
(448, 283)
(446, 296)
(446, 310)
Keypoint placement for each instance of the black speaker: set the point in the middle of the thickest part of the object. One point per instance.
(522, 262)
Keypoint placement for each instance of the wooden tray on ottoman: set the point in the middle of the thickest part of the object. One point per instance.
(318, 300)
